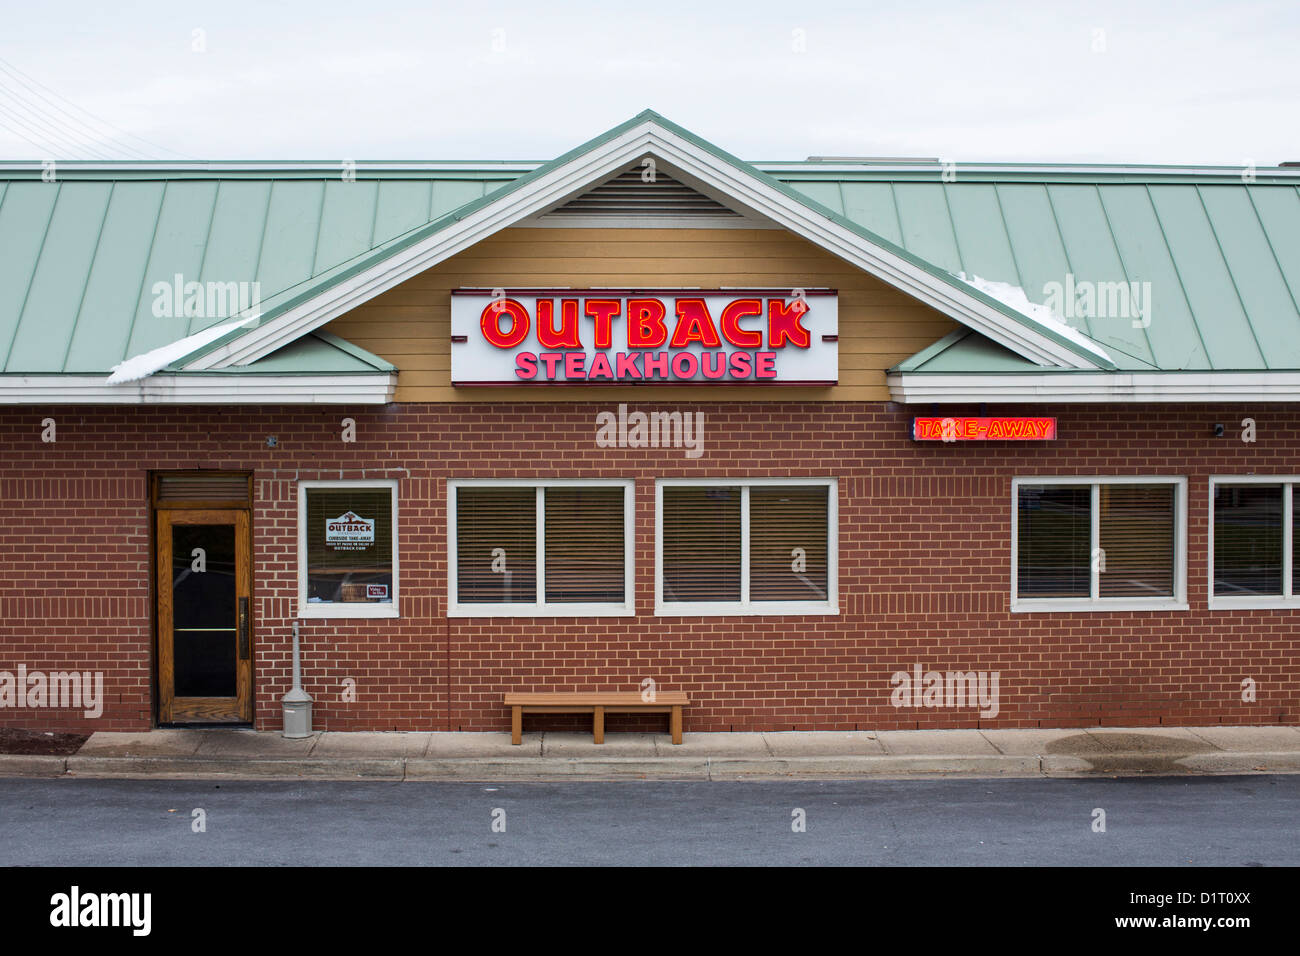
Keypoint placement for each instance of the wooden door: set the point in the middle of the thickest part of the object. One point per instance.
(204, 616)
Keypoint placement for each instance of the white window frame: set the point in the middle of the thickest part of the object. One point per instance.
(540, 608)
(1095, 602)
(359, 609)
(746, 607)
(1287, 598)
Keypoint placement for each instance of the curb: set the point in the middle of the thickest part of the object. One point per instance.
(1243, 762)
(236, 767)
(32, 765)
(875, 765)
(613, 768)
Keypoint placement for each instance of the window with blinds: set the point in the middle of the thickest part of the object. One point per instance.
(584, 545)
(787, 543)
(540, 548)
(496, 545)
(1249, 525)
(1089, 543)
(747, 546)
(701, 544)
(1054, 525)
(1137, 541)
(348, 548)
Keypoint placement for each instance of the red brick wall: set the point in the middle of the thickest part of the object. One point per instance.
(924, 556)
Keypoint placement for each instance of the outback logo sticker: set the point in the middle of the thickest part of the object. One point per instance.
(350, 532)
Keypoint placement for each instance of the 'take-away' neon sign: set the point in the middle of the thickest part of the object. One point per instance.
(983, 429)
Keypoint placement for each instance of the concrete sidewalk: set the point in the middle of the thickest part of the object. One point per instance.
(221, 753)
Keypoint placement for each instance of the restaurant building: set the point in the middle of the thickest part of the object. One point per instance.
(833, 444)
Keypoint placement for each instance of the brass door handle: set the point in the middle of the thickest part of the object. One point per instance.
(243, 628)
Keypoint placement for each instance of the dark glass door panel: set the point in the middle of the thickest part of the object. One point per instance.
(204, 610)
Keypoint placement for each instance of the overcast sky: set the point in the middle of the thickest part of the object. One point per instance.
(1132, 81)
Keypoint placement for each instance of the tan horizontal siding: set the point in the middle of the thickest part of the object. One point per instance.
(410, 325)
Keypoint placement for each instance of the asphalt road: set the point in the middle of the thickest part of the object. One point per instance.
(1169, 821)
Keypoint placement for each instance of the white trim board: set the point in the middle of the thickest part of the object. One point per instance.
(919, 388)
(696, 167)
(223, 389)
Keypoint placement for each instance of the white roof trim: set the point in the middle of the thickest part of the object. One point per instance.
(697, 167)
(919, 387)
(171, 389)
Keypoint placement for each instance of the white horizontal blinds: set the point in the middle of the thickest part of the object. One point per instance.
(1054, 541)
(701, 544)
(496, 545)
(349, 545)
(788, 543)
(1247, 539)
(1136, 540)
(584, 551)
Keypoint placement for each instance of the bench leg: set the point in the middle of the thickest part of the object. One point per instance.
(598, 725)
(516, 725)
(675, 724)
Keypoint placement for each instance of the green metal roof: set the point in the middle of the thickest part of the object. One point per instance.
(316, 353)
(1223, 261)
(81, 255)
(964, 350)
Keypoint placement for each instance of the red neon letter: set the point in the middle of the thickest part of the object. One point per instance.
(694, 324)
(566, 336)
(491, 323)
(731, 330)
(783, 324)
(742, 365)
(645, 324)
(526, 365)
(603, 312)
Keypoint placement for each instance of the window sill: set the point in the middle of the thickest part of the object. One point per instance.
(1263, 602)
(540, 610)
(735, 609)
(1102, 604)
(318, 611)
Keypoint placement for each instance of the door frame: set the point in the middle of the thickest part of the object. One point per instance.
(165, 514)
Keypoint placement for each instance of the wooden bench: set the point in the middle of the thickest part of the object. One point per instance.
(598, 705)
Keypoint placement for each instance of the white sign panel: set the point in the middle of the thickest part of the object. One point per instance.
(349, 532)
(601, 337)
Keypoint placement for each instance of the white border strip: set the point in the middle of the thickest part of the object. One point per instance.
(918, 387)
(224, 389)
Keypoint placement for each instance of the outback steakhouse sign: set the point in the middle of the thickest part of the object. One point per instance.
(748, 336)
